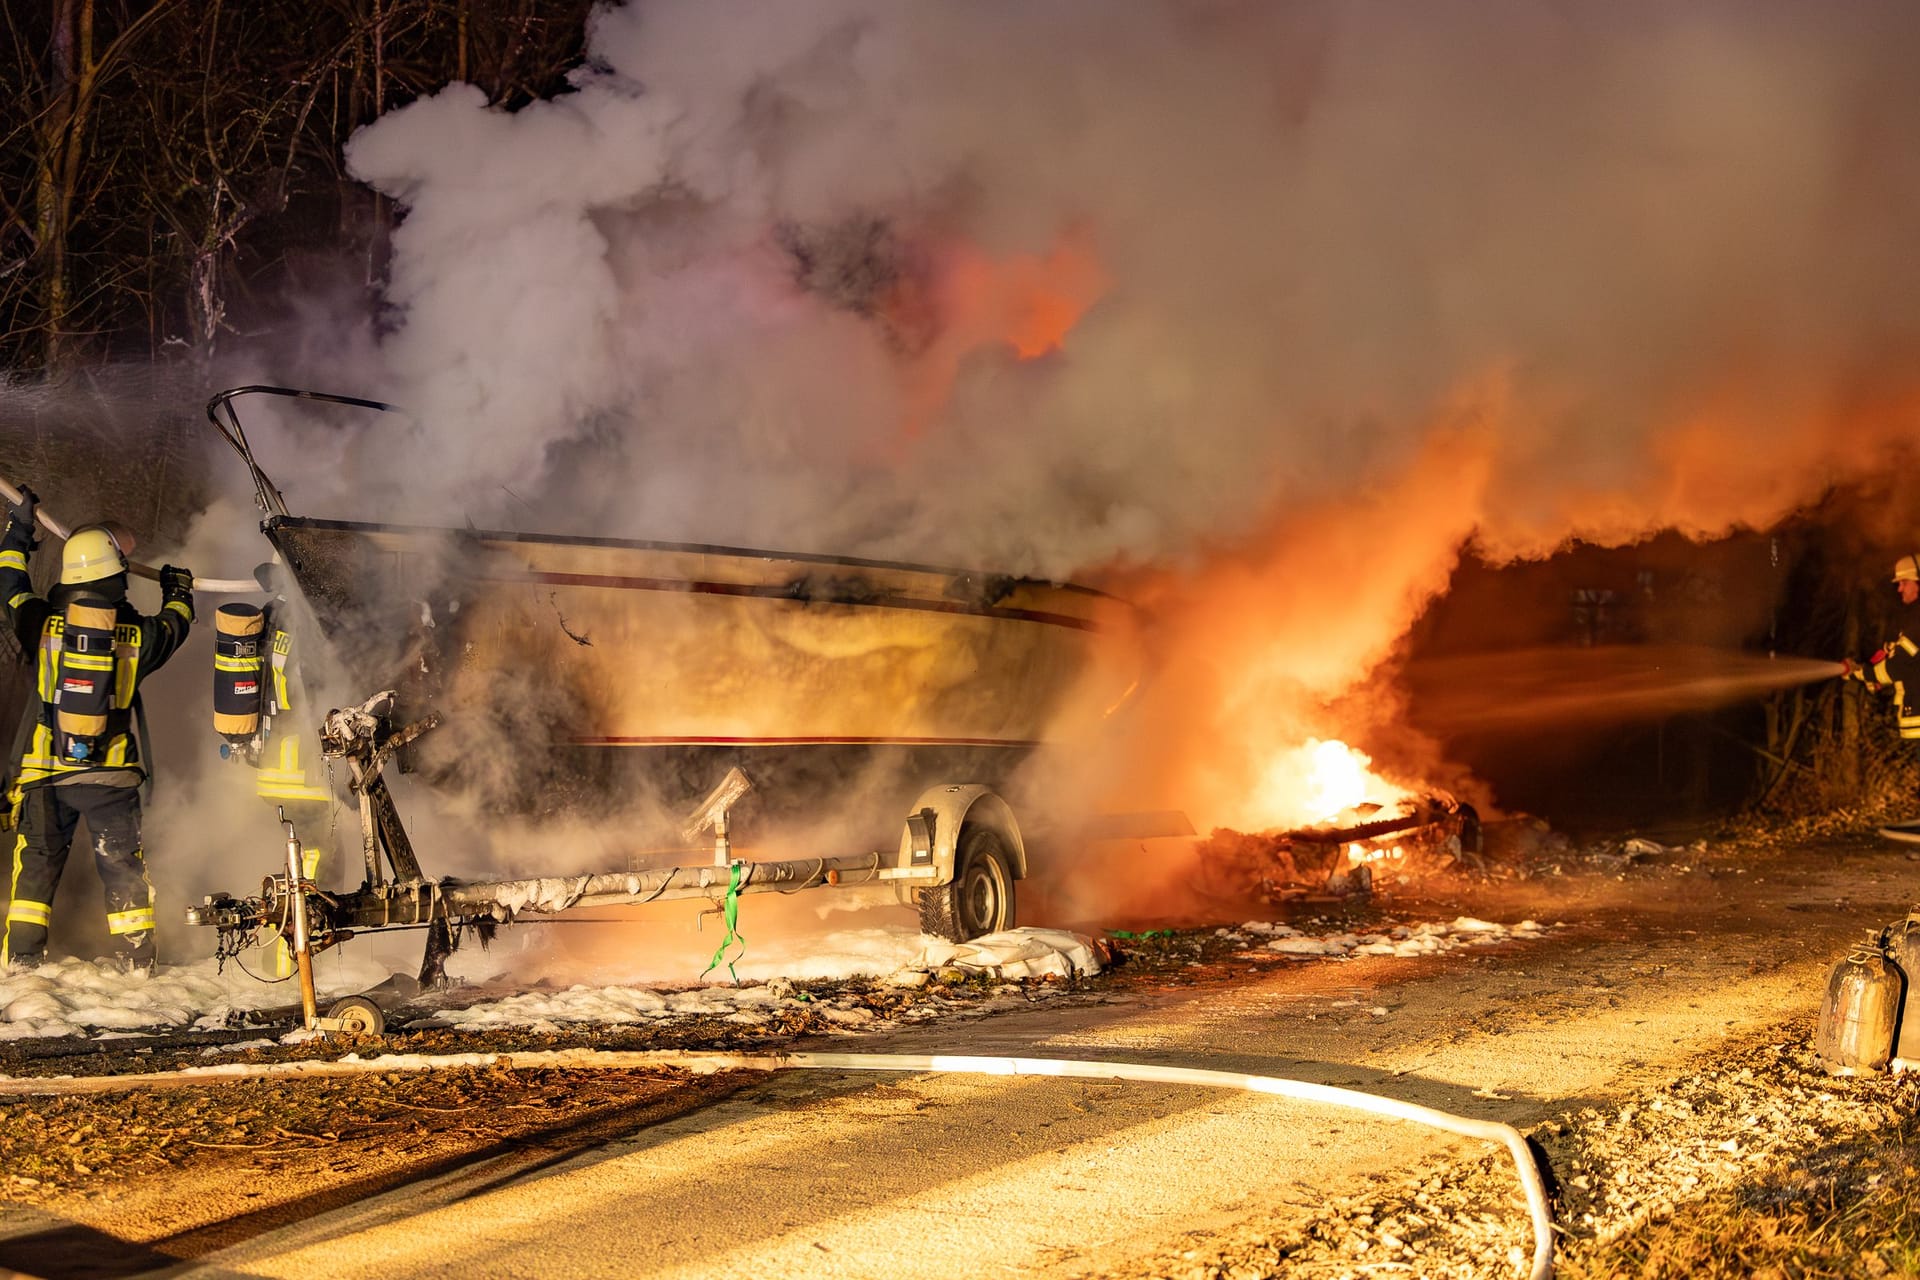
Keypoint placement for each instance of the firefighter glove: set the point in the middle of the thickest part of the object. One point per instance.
(22, 512)
(175, 582)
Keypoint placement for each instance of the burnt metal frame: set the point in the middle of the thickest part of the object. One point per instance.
(266, 494)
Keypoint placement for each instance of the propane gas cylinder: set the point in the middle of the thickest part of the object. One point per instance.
(1855, 1033)
(1903, 951)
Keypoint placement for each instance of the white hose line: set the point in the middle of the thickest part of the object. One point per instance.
(706, 1063)
(212, 586)
(222, 586)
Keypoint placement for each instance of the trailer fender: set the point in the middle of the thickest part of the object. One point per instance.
(932, 833)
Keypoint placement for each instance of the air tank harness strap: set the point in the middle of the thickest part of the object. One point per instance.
(730, 912)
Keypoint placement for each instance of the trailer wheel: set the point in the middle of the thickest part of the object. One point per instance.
(361, 1016)
(979, 898)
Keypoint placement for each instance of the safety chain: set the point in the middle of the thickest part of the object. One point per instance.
(231, 944)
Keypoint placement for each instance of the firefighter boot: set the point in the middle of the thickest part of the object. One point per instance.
(135, 953)
(25, 946)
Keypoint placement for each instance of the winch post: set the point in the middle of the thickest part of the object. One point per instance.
(301, 943)
(359, 736)
(715, 811)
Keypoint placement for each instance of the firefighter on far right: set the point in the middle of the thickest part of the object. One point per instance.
(1895, 666)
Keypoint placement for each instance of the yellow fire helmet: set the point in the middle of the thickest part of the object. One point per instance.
(92, 553)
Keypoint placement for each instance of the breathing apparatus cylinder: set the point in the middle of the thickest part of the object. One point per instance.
(83, 688)
(238, 662)
(1854, 1035)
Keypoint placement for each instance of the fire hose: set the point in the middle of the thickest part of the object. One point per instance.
(701, 1063)
(214, 586)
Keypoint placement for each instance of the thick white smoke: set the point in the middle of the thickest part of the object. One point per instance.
(1676, 235)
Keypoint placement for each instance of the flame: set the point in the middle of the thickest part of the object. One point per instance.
(1318, 781)
(1270, 657)
(1027, 303)
(1358, 853)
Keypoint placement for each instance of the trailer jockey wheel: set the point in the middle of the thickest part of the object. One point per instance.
(359, 1016)
(979, 899)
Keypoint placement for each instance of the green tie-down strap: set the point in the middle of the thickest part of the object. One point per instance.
(1131, 936)
(730, 912)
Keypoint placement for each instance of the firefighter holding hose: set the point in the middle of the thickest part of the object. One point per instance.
(78, 755)
(1895, 667)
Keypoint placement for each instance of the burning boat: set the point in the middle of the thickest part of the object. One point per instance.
(605, 665)
(683, 660)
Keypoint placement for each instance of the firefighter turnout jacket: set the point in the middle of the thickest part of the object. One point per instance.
(113, 649)
(1896, 667)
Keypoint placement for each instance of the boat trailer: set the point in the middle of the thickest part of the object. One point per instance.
(959, 854)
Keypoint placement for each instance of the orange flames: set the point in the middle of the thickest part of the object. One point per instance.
(1316, 782)
(1282, 645)
(1028, 303)
(1268, 659)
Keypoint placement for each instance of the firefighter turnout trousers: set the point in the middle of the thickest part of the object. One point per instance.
(48, 816)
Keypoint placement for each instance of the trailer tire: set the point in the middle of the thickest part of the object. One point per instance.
(361, 1016)
(979, 898)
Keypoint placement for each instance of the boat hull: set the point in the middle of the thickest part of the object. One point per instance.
(574, 667)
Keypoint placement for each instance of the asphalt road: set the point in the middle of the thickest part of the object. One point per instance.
(832, 1175)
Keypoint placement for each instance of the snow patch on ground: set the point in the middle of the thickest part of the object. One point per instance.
(843, 953)
(614, 1006)
(1012, 955)
(71, 997)
(1402, 940)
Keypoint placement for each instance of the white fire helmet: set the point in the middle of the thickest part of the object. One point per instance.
(1907, 569)
(92, 553)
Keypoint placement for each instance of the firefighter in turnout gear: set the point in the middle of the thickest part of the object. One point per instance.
(258, 705)
(79, 755)
(1896, 666)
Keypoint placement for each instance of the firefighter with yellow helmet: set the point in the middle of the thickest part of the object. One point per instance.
(1895, 667)
(80, 753)
(260, 708)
